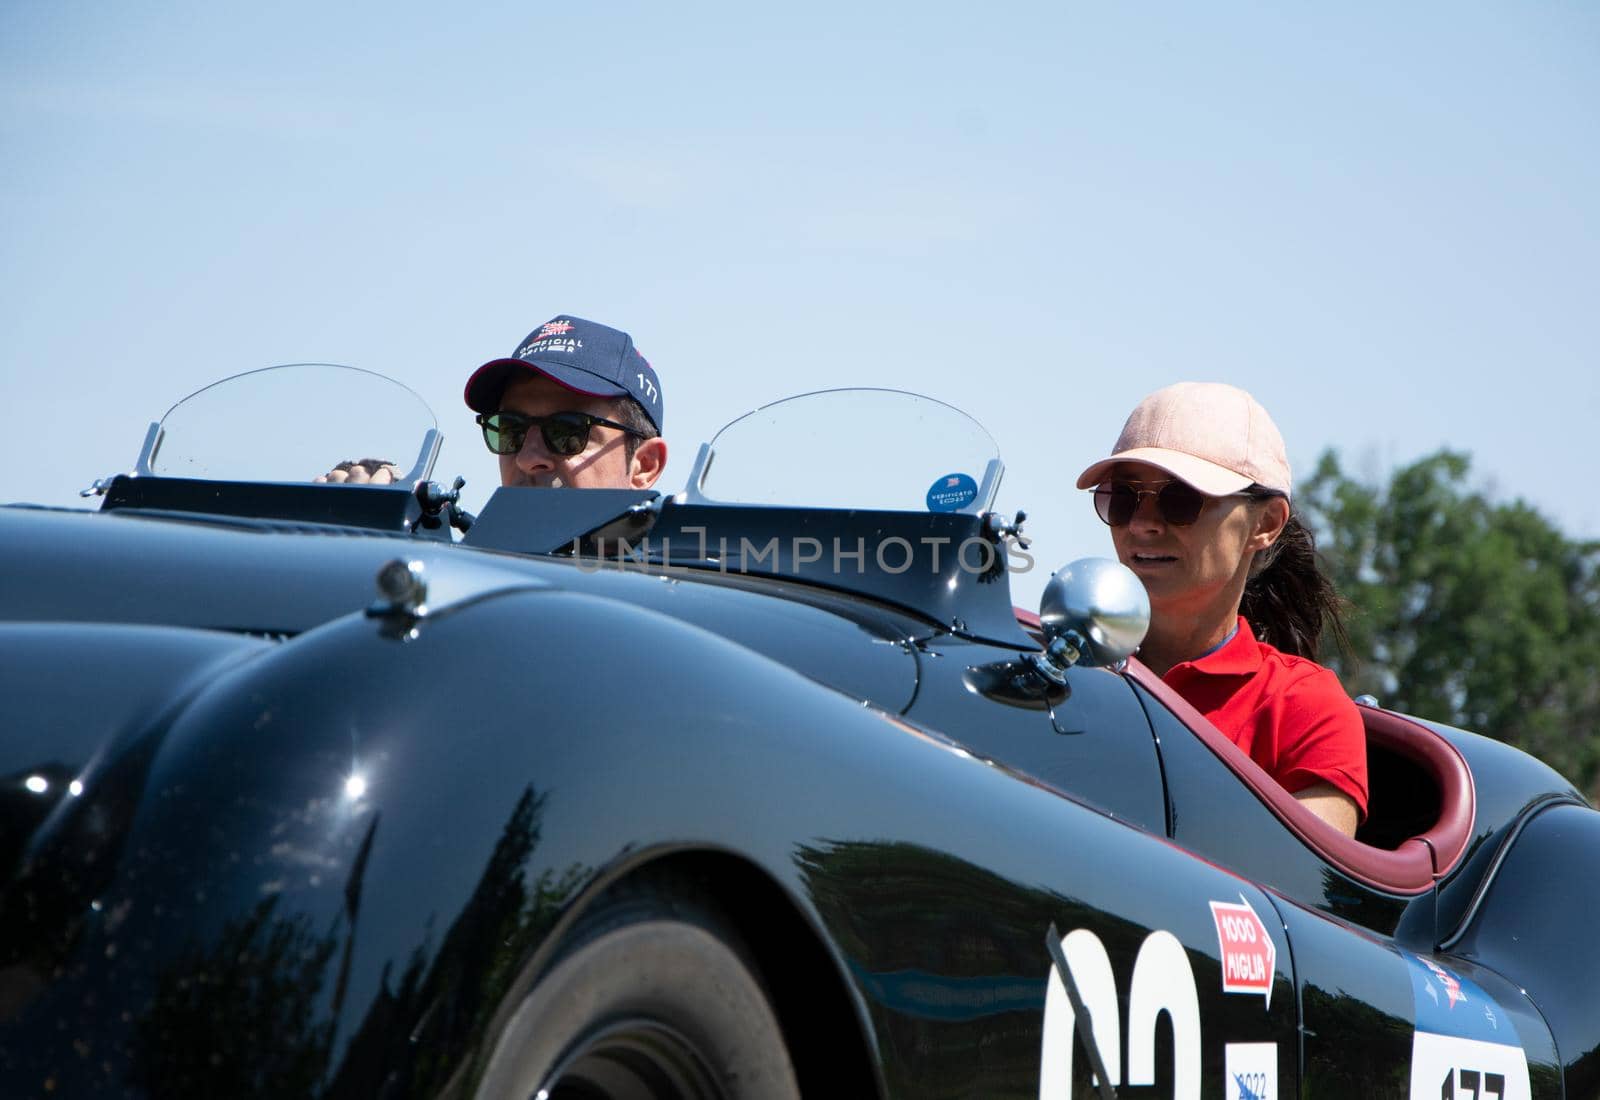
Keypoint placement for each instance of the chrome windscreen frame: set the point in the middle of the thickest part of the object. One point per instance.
(694, 492)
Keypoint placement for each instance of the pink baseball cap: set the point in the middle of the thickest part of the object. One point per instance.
(1214, 436)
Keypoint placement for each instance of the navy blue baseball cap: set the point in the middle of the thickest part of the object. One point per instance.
(585, 357)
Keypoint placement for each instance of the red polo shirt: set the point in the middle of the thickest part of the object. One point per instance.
(1290, 714)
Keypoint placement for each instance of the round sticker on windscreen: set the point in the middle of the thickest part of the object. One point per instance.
(952, 493)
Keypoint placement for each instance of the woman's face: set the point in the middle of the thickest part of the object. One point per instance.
(1199, 567)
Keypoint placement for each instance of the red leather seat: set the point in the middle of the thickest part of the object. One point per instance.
(1399, 752)
(1415, 861)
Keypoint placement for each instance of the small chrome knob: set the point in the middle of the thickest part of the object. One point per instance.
(402, 589)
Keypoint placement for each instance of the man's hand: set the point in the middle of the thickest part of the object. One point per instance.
(366, 471)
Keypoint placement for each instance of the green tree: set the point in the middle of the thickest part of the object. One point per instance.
(1464, 610)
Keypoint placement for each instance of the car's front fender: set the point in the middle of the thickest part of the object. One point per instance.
(343, 852)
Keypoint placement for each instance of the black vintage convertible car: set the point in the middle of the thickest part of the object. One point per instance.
(761, 789)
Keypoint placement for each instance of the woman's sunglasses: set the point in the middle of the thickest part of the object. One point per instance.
(564, 433)
(1177, 502)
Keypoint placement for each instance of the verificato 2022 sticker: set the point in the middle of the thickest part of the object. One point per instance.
(1250, 1071)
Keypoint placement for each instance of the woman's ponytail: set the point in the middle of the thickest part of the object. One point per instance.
(1288, 600)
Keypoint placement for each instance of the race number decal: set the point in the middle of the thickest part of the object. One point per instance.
(1464, 1048)
(1162, 981)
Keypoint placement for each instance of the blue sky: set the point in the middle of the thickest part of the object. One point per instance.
(1383, 220)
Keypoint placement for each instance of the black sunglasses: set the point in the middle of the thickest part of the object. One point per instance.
(1177, 502)
(564, 433)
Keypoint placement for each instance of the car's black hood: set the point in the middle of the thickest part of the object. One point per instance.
(68, 566)
(141, 613)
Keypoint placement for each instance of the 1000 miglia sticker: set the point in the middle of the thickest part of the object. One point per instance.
(1465, 1046)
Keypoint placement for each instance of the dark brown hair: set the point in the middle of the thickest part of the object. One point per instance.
(1288, 600)
(631, 413)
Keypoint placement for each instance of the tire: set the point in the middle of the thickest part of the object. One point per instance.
(651, 999)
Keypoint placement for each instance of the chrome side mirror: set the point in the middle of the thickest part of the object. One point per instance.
(1094, 612)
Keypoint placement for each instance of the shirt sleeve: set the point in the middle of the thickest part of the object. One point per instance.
(1321, 738)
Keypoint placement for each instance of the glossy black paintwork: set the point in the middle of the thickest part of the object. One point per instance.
(946, 567)
(136, 675)
(526, 520)
(333, 937)
(128, 568)
(1208, 819)
(218, 913)
(1510, 785)
(1538, 896)
(245, 579)
(1093, 741)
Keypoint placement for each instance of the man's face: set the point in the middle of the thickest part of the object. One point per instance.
(603, 464)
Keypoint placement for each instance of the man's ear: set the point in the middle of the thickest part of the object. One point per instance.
(649, 459)
(1271, 518)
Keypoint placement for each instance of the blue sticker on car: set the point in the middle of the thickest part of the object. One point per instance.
(1464, 1042)
(952, 493)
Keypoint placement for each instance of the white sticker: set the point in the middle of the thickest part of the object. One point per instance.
(1444, 1067)
(1252, 1071)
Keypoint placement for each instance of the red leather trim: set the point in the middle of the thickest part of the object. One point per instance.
(1458, 797)
(1410, 868)
(1029, 621)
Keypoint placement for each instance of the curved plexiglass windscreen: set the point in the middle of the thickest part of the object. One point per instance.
(291, 423)
(851, 448)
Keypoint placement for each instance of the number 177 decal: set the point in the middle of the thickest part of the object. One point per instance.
(1462, 1083)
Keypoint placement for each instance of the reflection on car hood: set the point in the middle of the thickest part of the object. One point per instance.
(123, 568)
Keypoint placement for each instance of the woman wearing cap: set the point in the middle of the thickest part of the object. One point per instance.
(1197, 495)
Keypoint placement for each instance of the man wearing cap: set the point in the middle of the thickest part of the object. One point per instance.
(574, 406)
(1196, 492)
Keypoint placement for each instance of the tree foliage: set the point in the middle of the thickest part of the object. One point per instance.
(1464, 610)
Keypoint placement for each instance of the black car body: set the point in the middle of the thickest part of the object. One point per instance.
(303, 797)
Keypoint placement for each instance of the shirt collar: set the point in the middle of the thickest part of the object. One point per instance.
(1239, 656)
